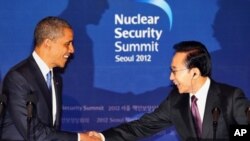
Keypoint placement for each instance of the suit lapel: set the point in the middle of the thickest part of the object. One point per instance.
(58, 98)
(185, 114)
(41, 83)
(211, 102)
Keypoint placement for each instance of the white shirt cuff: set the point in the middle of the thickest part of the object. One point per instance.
(78, 137)
(102, 136)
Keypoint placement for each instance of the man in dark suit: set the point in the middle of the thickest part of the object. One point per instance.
(218, 105)
(33, 88)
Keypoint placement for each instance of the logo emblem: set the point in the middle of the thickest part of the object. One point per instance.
(163, 5)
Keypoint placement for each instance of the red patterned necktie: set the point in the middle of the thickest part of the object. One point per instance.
(196, 116)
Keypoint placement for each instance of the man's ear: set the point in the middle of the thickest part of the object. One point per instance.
(195, 72)
(47, 43)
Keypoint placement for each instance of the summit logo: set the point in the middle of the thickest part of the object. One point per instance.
(163, 5)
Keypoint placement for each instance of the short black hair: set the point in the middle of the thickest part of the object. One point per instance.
(49, 28)
(197, 56)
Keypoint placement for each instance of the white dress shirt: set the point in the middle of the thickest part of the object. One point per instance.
(201, 95)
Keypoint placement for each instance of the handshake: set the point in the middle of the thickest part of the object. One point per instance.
(91, 136)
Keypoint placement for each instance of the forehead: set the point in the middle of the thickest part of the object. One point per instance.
(68, 33)
(178, 60)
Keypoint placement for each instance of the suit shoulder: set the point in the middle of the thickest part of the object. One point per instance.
(228, 87)
(22, 68)
(174, 95)
(229, 90)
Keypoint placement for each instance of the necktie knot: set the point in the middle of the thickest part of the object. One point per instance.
(194, 99)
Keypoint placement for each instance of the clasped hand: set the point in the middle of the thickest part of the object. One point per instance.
(90, 136)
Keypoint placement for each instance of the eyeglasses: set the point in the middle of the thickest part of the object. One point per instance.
(174, 71)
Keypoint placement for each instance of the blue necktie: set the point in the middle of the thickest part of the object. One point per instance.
(49, 84)
(49, 80)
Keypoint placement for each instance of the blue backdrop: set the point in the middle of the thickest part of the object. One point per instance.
(123, 50)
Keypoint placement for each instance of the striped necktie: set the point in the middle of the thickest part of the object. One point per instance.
(196, 116)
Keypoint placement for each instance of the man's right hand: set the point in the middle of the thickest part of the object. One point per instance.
(90, 136)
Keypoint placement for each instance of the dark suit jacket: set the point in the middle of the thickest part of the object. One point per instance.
(175, 110)
(23, 80)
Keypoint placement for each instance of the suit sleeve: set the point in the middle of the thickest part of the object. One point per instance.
(239, 103)
(147, 125)
(17, 88)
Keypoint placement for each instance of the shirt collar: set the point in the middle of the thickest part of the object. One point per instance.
(41, 64)
(203, 91)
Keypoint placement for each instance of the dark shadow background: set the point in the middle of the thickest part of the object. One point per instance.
(232, 30)
(230, 64)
